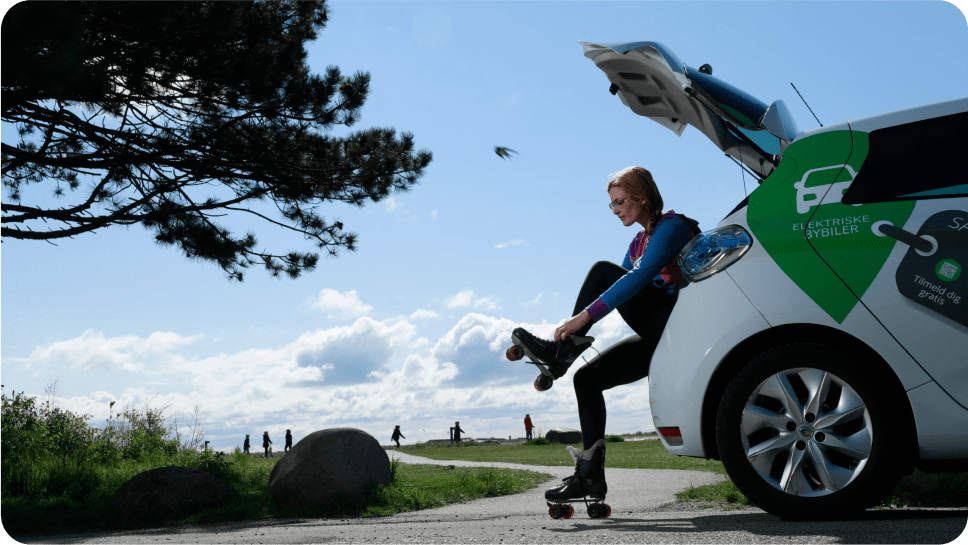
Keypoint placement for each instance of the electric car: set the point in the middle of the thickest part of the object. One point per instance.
(820, 349)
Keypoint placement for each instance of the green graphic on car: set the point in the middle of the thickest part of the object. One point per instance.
(797, 215)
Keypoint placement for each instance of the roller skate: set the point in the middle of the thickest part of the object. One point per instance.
(587, 482)
(552, 358)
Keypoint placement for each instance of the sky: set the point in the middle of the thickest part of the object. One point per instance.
(411, 329)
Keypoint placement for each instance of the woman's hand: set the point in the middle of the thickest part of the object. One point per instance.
(571, 326)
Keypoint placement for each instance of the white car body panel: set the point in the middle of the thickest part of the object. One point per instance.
(939, 344)
(940, 421)
(709, 319)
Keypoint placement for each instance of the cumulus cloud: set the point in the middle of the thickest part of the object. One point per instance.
(466, 299)
(423, 314)
(93, 351)
(349, 355)
(339, 305)
(370, 374)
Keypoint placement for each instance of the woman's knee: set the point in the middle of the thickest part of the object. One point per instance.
(605, 268)
(586, 381)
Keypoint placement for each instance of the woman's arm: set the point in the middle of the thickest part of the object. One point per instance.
(669, 238)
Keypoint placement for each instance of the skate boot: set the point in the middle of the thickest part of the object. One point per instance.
(558, 356)
(588, 480)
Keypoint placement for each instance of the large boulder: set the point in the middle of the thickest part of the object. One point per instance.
(327, 464)
(563, 436)
(170, 490)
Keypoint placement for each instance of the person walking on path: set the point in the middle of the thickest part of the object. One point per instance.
(397, 435)
(457, 432)
(528, 426)
(245, 445)
(644, 290)
(288, 441)
(265, 444)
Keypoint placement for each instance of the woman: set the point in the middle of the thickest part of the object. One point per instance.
(643, 290)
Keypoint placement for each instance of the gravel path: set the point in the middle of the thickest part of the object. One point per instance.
(643, 510)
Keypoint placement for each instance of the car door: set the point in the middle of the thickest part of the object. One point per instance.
(913, 165)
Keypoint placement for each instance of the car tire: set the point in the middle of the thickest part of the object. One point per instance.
(804, 431)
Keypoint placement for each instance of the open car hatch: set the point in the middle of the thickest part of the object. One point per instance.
(653, 82)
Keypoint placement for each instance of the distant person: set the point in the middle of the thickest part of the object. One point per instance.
(457, 432)
(528, 426)
(397, 435)
(288, 441)
(245, 446)
(265, 444)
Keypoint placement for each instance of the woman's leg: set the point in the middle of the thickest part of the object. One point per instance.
(599, 278)
(624, 362)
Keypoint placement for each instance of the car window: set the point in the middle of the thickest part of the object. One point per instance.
(920, 160)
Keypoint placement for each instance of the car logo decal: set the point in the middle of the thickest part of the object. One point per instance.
(830, 250)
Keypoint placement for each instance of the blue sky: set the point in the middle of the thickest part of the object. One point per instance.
(411, 329)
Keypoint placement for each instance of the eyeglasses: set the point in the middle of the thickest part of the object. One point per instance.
(615, 204)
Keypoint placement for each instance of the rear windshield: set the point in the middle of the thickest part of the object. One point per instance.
(920, 160)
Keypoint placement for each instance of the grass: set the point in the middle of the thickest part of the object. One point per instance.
(414, 487)
(628, 454)
(724, 494)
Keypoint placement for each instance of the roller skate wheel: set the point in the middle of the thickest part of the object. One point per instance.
(569, 511)
(555, 512)
(608, 511)
(543, 383)
(514, 353)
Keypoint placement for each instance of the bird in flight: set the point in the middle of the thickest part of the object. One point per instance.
(504, 153)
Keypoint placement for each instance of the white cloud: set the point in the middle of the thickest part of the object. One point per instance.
(371, 375)
(517, 242)
(466, 299)
(392, 204)
(340, 305)
(93, 351)
(433, 214)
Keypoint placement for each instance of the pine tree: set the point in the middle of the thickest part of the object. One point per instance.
(180, 116)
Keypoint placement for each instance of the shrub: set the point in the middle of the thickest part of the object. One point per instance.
(614, 439)
(538, 441)
(51, 452)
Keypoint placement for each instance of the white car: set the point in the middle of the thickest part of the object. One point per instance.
(820, 349)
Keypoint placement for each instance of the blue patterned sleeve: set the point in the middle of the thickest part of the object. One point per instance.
(669, 238)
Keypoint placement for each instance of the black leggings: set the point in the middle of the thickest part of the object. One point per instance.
(626, 361)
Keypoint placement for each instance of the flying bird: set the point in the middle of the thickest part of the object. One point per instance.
(504, 153)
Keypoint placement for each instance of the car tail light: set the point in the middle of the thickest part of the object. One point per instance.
(672, 436)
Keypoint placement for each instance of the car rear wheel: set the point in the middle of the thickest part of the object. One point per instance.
(805, 433)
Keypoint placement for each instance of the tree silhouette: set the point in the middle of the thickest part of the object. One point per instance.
(180, 116)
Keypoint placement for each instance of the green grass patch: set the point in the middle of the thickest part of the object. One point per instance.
(414, 487)
(628, 454)
(419, 487)
(724, 494)
(929, 490)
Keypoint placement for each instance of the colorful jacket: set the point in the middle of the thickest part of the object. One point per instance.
(651, 259)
